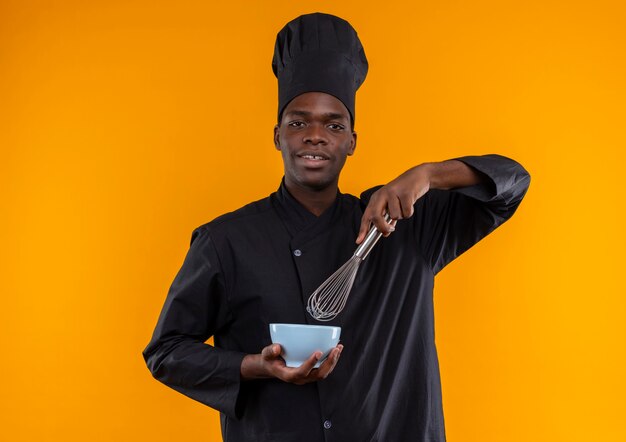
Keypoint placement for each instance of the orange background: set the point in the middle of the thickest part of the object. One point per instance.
(125, 124)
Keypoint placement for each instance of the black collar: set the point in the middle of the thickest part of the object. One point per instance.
(299, 222)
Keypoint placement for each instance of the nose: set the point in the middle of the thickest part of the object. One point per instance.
(314, 135)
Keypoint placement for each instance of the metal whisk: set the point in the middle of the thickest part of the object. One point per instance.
(330, 298)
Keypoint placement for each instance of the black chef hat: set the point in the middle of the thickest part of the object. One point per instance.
(318, 53)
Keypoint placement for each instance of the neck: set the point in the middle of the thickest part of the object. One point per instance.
(315, 201)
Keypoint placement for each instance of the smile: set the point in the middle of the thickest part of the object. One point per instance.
(313, 157)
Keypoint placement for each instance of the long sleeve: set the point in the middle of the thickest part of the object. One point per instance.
(195, 308)
(449, 222)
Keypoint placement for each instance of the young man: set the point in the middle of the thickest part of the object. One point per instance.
(258, 265)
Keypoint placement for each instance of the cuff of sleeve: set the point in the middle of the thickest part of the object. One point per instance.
(233, 401)
(218, 388)
(504, 175)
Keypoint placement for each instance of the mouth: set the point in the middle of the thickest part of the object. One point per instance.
(313, 156)
(312, 161)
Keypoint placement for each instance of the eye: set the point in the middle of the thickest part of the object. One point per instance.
(296, 124)
(336, 126)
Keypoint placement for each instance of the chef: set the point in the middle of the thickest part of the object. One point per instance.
(259, 264)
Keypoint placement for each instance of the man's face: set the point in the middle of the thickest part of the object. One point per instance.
(314, 137)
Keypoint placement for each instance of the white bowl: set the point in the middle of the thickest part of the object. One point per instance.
(300, 341)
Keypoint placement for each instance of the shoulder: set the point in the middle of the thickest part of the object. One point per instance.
(348, 199)
(367, 194)
(235, 220)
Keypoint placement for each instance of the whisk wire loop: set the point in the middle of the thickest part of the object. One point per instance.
(331, 296)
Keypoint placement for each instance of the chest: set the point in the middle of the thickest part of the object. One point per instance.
(270, 274)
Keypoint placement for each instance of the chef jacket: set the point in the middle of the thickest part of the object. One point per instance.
(259, 264)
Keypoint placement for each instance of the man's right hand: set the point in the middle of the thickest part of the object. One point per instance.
(269, 364)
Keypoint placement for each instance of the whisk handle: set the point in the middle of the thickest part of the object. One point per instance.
(368, 243)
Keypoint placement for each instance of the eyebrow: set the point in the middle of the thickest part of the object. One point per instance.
(327, 115)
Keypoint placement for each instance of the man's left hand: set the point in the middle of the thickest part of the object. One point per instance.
(397, 199)
(399, 196)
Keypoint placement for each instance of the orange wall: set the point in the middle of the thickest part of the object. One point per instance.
(124, 125)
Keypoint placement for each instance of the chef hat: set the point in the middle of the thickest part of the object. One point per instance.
(318, 53)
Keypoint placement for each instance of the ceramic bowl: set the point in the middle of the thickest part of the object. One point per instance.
(300, 341)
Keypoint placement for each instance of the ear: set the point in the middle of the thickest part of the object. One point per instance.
(352, 144)
(277, 137)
